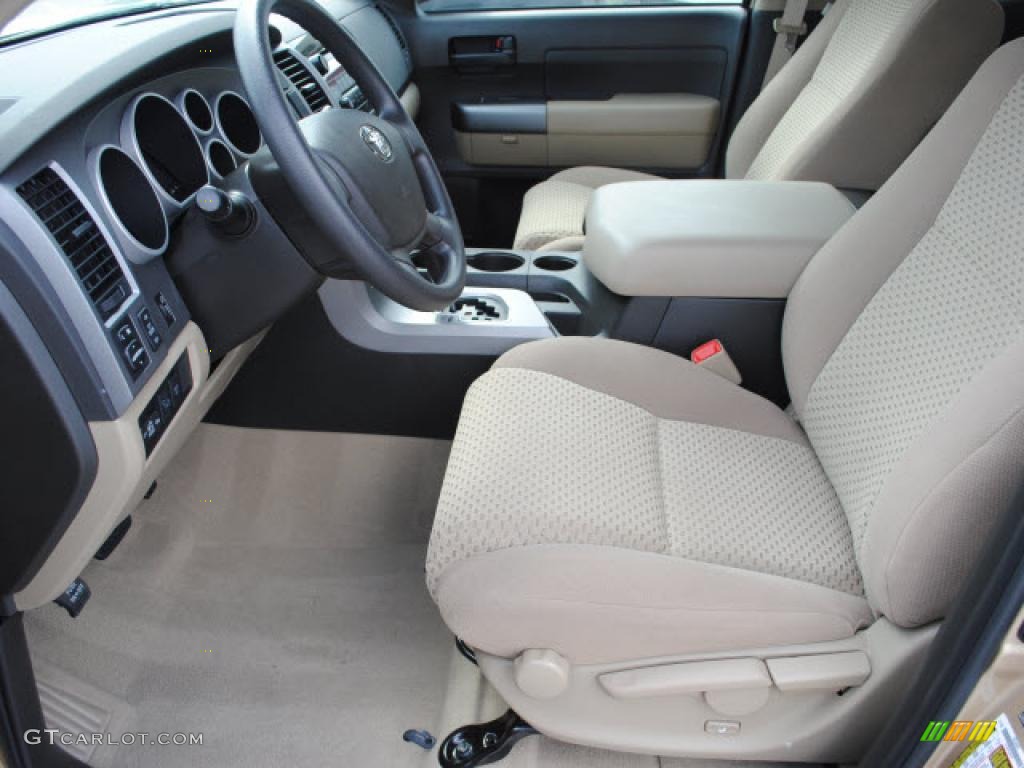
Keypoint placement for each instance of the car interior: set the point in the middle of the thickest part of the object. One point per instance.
(539, 383)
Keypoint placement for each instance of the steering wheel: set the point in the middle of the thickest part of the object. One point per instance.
(366, 181)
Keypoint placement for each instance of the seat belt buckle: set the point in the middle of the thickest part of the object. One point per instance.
(712, 356)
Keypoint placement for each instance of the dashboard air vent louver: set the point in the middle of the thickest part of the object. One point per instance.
(75, 231)
(302, 79)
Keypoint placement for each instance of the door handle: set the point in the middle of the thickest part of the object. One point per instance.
(482, 54)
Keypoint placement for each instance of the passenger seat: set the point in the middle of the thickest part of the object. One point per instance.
(847, 109)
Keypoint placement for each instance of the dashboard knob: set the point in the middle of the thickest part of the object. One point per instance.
(230, 213)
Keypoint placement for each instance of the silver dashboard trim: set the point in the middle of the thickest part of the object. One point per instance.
(61, 275)
(220, 128)
(369, 319)
(94, 174)
(179, 102)
(209, 160)
(129, 138)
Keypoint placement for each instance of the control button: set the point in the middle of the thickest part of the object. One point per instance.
(165, 309)
(109, 303)
(136, 356)
(125, 333)
(132, 350)
(150, 329)
(177, 391)
(166, 402)
(722, 727)
(151, 424)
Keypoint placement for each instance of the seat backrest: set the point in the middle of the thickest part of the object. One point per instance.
(863, 90)
(904, 351)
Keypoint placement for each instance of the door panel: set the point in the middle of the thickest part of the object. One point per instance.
(585, 54)
(509, 97)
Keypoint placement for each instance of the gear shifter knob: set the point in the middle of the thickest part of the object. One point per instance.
(230, 212)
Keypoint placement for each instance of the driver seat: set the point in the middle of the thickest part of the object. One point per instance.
(648, 558)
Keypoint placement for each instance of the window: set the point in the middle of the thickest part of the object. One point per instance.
(453, 6)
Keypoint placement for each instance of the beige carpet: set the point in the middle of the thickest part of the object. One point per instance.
(270, 596)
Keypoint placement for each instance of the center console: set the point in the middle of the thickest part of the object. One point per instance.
(668, 264)
(710, 238)
(511, 297)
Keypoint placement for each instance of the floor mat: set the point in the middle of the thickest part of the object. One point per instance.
(269, 596)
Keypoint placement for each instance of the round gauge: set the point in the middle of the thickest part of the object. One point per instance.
(238, 124)
(131, 199)
(166, 147)
(220, 158)
(197, 110)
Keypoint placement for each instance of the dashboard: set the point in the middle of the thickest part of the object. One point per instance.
(107, 268)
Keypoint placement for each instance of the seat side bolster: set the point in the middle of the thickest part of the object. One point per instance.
(920, 544)
(597, 605)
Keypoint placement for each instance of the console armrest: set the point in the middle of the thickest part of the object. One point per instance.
(708, 238)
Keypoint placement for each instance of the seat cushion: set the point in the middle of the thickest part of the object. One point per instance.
(614, 502)
(554, 210)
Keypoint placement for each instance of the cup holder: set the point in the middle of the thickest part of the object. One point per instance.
(495, 261)
(554, 263)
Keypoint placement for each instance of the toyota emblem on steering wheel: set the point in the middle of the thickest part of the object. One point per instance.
(377, 142)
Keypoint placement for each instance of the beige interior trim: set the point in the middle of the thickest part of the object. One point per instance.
(1000, 690)
(503, 148)
(629, 114)
(124, 473)
(410, 99)
(824, 672)
(662, 130)
(793, 726)
(746, 239)
(693, 677)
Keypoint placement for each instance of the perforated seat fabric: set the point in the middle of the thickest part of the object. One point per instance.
(847, 109)
(613, 503)
(553, 212)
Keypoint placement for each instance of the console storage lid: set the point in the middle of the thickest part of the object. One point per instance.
(710, 238)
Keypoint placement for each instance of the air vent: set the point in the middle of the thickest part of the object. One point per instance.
(302, 79)
(75, 231)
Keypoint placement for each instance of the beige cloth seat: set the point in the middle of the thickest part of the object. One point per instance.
(614, 504)
(633, 495)
(847, 109)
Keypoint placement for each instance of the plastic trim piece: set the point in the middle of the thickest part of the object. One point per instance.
(500, 117)
(220, 127)
(129, 137)
(694, 677)
(94, 170)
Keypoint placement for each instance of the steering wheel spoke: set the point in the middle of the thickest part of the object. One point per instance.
(439, 229)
